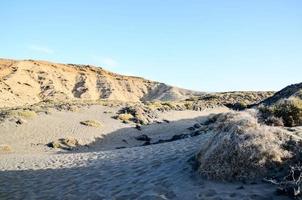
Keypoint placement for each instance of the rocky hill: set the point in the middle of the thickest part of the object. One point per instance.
(288, 92)
(25, 82)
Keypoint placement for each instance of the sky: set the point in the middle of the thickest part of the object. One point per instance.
(204, 45)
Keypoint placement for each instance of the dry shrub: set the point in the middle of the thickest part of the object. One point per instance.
(64, 143)
(125, 117)
(26, 114)
(290, 111)
(166, 105)
(154, 105)
(274, 121)
(4, 148)
(239, 106)
(92, 123)
(189, 105)
(239, 148)
(138, 114)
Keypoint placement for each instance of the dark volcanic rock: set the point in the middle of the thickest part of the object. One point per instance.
(143, 138)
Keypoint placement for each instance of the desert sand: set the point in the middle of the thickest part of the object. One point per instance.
(98, 170)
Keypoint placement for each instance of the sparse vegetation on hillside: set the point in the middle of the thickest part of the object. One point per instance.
(233, 100)
(236, 100)
(291, 91)
(46, 107)
(166, 105)
(289, 112)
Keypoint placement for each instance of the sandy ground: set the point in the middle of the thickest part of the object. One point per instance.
(32, 136)
(100, 171)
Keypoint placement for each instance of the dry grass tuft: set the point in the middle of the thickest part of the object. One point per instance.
(4, 148)
(25, 114)
(125, 117)
(92, 123)
(64, 143)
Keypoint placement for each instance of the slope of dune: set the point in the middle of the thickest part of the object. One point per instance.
(291, 91)
(27, 81)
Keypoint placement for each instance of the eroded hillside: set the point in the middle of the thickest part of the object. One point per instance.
(27, 82)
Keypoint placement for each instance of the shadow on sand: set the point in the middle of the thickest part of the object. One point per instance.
(158, 132)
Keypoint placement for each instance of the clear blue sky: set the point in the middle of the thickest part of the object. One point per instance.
(202, 45)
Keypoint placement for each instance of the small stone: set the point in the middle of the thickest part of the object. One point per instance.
(54, 144)
(180, 136)
(146, 143)
(153, 197)
(160, 141)
(120, 147)
(240, 187)
(197, 125)
(191, 128)
(210, 193)
(233, 194)
(196, 133)
(143, 138)
(165, 120)
(20, 121)
(138, 127)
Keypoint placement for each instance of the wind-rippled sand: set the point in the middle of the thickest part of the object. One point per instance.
(153, 172)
